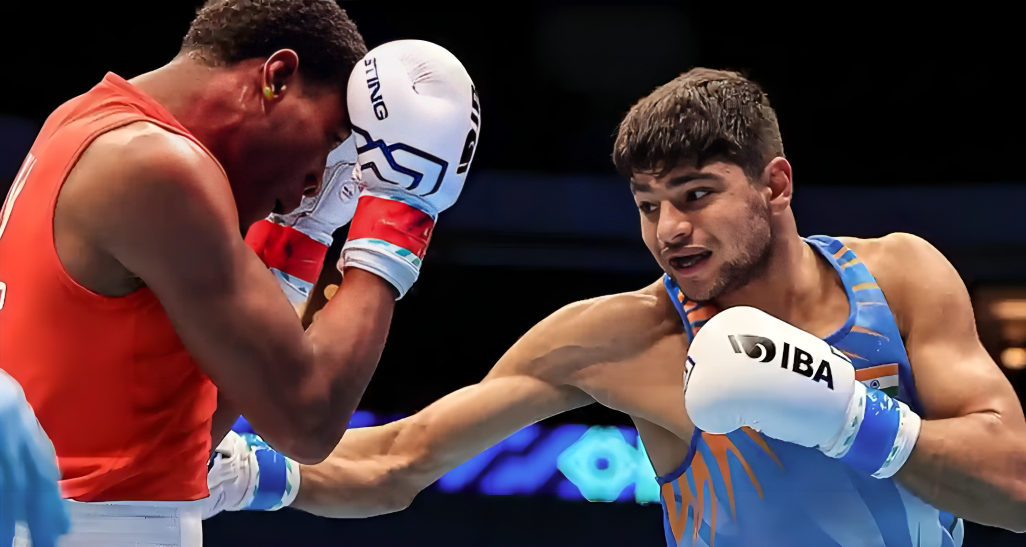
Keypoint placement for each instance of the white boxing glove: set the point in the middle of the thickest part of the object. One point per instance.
(294, 245)
(416, 119)
(747, 368)
(247, 475)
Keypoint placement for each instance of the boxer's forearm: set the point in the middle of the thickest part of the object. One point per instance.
(464, 423)
(972, 466)
(359, 478)
(360, 489)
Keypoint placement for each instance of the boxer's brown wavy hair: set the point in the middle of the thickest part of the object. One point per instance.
(701, 115)
(327, 42)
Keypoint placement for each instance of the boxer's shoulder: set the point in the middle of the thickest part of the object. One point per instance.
(911, 272)
(142, 164)
(621, 317)
(894, 256)
(147, 150)
(598, 330)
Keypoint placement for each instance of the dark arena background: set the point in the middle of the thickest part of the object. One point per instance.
(893, 121)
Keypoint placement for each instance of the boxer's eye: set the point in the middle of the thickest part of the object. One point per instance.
(647, 207)
(699, 193)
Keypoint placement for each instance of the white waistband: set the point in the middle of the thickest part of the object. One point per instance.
(130, 524)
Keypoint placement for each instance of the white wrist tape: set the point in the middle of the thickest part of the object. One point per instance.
(296, 290)
(904, 442)
(394, 264)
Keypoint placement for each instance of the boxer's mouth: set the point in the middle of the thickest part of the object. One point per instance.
(682, 262)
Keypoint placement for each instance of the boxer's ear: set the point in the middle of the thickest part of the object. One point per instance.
(777, 176)
(277, 72)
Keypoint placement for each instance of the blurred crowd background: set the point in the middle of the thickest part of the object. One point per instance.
(893, 120)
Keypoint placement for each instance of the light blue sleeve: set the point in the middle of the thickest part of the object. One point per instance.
(28, 472)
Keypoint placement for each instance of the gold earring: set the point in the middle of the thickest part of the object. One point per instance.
(269, 93)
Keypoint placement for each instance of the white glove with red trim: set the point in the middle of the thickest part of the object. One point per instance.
(416, 118)
(293, 245)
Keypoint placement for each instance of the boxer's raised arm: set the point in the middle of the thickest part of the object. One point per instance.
(970, 458)
(168, 216)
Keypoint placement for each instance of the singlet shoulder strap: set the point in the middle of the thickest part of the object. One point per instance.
(693, 314)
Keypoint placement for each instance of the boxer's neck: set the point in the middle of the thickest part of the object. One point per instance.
(796, 287)
(212, 102)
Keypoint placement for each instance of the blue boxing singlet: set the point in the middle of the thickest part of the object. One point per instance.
(743, 489)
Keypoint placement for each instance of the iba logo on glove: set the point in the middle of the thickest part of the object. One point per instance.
(757, 347)
(796, 359)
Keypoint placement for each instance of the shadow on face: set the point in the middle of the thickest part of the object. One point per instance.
(285, 152)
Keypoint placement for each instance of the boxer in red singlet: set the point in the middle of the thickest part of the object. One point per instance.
(129, 292)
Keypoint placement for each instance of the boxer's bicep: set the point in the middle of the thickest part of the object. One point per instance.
(968, 457)
(531, 382)
(954, 374)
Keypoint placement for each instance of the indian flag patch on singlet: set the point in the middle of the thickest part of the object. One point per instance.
(882, 377)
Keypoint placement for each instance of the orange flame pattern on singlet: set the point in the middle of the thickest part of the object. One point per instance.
(719, 446)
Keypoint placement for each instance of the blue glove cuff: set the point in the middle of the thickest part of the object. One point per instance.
(277, 480)
(271, 480)
(877, 433)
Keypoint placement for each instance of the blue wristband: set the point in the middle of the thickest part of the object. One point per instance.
(876, 434)
(272, 476)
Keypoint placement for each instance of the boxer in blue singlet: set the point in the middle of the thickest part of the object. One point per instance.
(789, 392)
(770, 481)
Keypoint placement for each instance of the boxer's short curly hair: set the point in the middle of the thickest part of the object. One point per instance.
(700, 115)
(225, 32)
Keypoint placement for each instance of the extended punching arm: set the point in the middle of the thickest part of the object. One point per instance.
(378, 470)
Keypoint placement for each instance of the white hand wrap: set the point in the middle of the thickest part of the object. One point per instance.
(293, 245)
(247, 475)
(334, 206)
(416, 119)
(747, 368)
